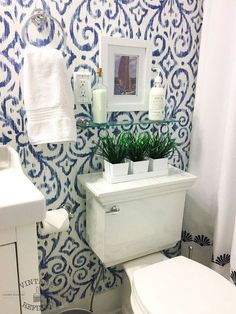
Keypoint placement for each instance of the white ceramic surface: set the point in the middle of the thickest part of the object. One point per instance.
(21, 202)
(108, 193)
(172, 286)
(134, 177)
(130, 267)
(147, 218)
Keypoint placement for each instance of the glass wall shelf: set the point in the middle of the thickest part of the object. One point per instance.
(85, 124)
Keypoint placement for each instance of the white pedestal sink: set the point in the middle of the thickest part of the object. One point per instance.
(20, 201)
(22, 205)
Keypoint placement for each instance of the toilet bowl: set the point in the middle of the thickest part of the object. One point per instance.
(178, 285)
(130, 268)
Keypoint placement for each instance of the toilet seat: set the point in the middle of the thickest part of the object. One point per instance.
(181, 286)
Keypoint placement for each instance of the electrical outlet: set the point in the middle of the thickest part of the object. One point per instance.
(82, 87)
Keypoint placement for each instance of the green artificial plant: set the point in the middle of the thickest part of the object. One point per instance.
(136, 145)
(112, 149)
(160, 146)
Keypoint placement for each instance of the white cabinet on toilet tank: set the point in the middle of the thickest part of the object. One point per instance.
(132, 219)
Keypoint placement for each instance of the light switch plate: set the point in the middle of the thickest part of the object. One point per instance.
(82, 87)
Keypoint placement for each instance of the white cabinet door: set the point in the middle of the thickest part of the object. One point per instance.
(9, 289)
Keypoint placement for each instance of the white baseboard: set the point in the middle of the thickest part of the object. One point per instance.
(108, 302)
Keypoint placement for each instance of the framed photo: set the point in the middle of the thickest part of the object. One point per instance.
(126, 65)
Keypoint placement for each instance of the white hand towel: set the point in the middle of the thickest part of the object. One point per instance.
(48, 97)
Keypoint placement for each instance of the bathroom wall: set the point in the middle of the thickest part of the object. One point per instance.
(68, 267)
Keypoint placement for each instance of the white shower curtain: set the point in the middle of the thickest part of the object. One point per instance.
(211, 204)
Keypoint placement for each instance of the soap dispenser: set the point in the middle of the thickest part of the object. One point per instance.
(157, 99)
(99, 103)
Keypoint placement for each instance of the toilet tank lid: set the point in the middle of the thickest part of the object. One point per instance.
(107, 192)
(182, 286)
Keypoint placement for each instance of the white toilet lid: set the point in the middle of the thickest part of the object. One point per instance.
(182, 286)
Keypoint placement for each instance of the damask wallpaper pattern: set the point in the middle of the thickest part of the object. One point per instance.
(68, 267)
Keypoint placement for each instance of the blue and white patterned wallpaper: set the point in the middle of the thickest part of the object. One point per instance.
(68, 267)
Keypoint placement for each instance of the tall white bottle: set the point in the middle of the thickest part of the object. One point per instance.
(99, 103)
(157, 100)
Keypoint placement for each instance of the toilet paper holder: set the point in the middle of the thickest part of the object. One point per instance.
(68, 208)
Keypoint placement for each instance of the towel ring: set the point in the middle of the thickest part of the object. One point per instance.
(39, 18)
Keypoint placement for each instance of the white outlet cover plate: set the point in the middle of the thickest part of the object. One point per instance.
(82, 87)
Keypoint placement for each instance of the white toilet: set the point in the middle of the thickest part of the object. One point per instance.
(178, 285)
(128, 222)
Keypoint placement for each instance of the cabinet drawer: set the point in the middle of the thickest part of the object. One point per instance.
(9, 288)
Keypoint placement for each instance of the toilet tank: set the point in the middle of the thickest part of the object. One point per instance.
(132, 219)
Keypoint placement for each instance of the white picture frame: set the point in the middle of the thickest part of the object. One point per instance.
(129, 91)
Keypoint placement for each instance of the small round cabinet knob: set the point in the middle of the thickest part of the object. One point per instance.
(114, 210)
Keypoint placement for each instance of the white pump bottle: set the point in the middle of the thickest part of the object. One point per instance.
(157, 99)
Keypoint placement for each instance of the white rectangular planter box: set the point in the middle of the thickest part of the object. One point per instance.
(116, 170)
(138, 166)
(132, 177)
(144, 169)
(159, 165)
